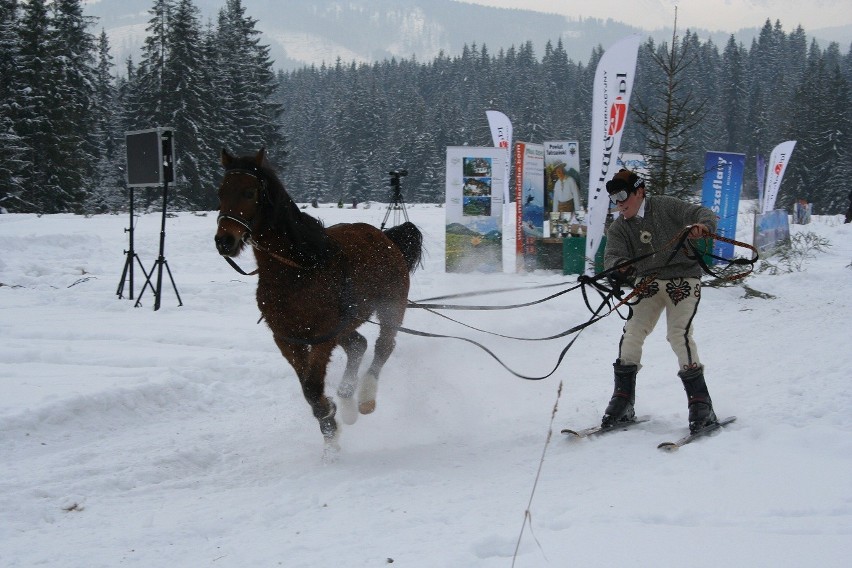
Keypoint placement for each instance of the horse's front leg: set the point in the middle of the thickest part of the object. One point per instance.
(310, 364)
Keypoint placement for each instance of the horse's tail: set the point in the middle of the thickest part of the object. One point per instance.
(409, 239)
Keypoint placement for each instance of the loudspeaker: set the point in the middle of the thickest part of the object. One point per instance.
(150, 157)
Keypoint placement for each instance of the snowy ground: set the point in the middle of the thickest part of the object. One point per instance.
(179, 438)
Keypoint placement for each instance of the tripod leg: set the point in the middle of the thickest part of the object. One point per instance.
(158, 293)
(169, 270)
(128, 267)
(385, 220)
(147, 283)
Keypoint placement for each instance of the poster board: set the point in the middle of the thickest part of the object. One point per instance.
(474, 208)
(529, 203)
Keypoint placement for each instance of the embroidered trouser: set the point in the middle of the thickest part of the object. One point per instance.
(679, 298)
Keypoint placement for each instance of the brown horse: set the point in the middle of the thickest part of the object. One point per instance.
(317, 285)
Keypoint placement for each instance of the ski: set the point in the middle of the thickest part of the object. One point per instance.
(596, 430)
(691, 437)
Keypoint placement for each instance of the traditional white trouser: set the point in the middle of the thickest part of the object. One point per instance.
(679, 297)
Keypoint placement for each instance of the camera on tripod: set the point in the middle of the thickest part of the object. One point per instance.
(397, 203)
(395, 175)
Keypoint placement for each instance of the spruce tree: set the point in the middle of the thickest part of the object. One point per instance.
(820, 164)
(193, 106)
(733, 95)
(13, 163)
(73, 112)
(670, 117)
(38, 72)
(108, 182)
(150, 107)
(245, 85)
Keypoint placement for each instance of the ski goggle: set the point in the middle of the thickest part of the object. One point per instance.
(619, 189)
(619, 196)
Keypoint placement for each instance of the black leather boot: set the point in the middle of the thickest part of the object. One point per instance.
(620, 407)
(700, 406)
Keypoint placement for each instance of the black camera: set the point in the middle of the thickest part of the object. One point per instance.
(395, 175)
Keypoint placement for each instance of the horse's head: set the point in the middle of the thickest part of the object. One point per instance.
(242, 194)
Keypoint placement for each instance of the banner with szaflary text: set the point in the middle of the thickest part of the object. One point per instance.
(723, 184)
(610, 101)
(778, 160)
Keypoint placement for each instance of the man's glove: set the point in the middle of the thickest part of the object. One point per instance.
(623, 277)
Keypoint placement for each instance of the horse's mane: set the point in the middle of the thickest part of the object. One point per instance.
(307, 241)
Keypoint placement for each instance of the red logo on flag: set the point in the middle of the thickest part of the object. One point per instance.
(778, 167)
(504, 144)
(617, 114)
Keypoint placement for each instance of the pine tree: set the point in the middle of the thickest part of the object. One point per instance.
(820, 164)
(38, 72)
(193, 107)
(836, 184)
(73, 111)
(108, 181)
(149, 106)
(245, 85)
(670, 117)
(13, 163)
(733, 93)
(702, 78)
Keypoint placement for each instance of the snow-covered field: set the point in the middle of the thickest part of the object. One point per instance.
(180, 438)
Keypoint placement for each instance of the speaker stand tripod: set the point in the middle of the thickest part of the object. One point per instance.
(160, 263)
(130, 253)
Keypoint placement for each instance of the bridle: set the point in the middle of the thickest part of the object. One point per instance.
(263, 195)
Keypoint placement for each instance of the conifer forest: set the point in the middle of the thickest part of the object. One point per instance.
(334, 131)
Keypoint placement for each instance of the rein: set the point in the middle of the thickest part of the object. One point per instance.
(680, 241)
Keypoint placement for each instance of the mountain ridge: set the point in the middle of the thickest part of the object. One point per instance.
(320, 32)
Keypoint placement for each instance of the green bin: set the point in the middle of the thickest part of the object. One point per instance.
(574, 255)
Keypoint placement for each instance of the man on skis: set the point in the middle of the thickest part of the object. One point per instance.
(646, 224)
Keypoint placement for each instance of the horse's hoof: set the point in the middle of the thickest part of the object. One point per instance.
(367, 393)
(347, 410)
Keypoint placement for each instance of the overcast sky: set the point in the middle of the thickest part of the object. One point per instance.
(712, 15)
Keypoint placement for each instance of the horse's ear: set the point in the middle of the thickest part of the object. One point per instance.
(226, 158)
(260, 158)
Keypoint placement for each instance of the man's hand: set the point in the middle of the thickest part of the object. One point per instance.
(698, 231)
(622, 277)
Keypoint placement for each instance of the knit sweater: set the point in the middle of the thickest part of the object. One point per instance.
(665, 217)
